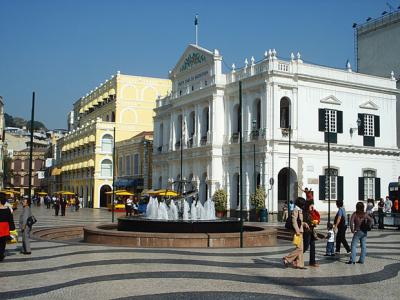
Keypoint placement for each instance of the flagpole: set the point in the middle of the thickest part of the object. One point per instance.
(196, 23)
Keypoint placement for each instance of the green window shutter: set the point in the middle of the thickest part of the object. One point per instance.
(322, 187)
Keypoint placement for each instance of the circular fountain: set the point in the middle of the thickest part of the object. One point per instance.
(179, 224)
(182, 218)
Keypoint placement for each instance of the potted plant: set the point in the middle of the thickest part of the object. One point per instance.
(220, 199)
(257, 200)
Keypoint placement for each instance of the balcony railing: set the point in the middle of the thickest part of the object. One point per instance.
(235, 137)
(254, 134)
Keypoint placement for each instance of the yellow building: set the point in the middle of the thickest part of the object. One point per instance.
(125, 104)
(134, 162)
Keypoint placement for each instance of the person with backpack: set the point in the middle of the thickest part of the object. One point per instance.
(23, 225)
(6, 225)
(296, 257)
(360, 224)
(340, 224)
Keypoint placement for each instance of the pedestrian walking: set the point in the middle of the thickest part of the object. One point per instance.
(63, 204)
(360, 223)
(388, 205)
(309, 235)
(330, 240)
(284, 212)
(128, 206)
(77, 204)
(370, 209)
(381, 214)
(6, 224)
(23, 225)
(296, 257)
(340, 224)
(56, 205)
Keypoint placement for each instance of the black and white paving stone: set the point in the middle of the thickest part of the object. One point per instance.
(74, 270)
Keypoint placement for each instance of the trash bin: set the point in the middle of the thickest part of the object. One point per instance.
(263, 215)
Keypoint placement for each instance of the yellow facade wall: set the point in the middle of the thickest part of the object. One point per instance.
(131, 100)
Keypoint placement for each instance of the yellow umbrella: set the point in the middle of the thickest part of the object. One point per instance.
(125, 193)
(42, 193)
(168, 193)
(10, 192)
(67, 193)
(116, 192)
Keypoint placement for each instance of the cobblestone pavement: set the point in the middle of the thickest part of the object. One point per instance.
(62, 270)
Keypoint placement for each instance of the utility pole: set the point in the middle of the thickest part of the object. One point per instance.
(31, 150)
(241, 153)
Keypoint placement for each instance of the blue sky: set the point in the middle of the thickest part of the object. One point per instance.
(63, 49)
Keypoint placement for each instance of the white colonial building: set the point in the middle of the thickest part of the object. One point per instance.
(278, 97)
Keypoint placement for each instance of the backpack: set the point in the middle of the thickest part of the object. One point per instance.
(365, 225)
(30, 221)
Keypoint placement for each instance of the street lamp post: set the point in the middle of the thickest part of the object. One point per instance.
(288, 174)
(240, 163)
(113, 183)
(329, 173)
(254, 157)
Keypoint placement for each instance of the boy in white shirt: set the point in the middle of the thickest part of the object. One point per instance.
(330, 241)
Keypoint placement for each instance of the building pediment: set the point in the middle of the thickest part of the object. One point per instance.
(194, 57)
(331, 100)
(369, 105)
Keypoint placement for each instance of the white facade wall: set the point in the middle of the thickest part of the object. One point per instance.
(215, 162)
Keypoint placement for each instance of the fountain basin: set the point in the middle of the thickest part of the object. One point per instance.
(107, 234)
(141, 224)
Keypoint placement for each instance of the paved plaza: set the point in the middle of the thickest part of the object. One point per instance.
(74, 270)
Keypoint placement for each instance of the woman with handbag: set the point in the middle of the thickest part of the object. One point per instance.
(296, 257)
(360, 223)
(6, 224)
(23, 224)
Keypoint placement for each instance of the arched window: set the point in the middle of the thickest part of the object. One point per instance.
(204, 126)
(161, 137)
(107, 143)
(113, 116)
(257, 113)
(106, 168)
(178, 131)
(285, 112)
(191, 128)
(160, 182)
(107, 118)
(236, 125)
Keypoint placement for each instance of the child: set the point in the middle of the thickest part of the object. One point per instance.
(330, 241)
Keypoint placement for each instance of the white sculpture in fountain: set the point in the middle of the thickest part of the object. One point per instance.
(196, 211)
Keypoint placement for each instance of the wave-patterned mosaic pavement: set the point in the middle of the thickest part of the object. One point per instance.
(61, 270)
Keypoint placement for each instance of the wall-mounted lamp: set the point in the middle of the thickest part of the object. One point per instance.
(355, 128)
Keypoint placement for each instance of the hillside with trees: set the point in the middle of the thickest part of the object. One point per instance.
(18, 122)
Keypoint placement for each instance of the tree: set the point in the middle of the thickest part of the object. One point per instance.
(9, 120)
(36, 125)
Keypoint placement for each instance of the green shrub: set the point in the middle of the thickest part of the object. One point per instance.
(257, 199)
(220, 199)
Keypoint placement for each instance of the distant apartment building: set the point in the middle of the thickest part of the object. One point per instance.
(19, 179)
(123, 103)
(134, 162)
(378, 50)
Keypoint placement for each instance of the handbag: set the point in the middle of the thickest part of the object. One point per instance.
(297, 240)
(30, 221)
